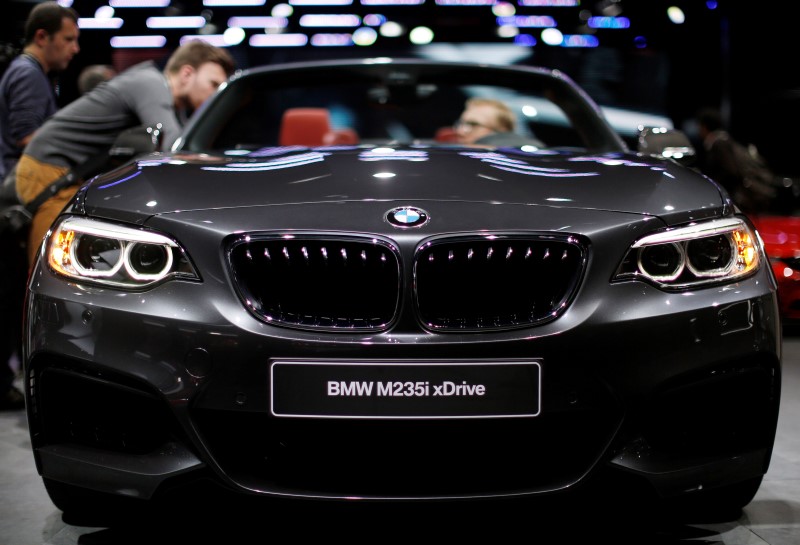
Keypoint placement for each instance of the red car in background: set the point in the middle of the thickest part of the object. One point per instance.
(781, 236)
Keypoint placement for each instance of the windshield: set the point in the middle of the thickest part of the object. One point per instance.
(374, 104)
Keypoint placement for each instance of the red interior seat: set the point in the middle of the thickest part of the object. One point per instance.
(446, 134)
(312, 127)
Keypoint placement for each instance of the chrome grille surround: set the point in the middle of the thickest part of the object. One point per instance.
(496, 281)
(320, 282)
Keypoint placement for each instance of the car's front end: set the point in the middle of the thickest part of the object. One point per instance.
(401, 322)
(585, 362)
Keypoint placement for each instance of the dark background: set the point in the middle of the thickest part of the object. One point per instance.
(738, 57)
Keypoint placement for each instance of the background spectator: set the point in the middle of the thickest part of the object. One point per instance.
(482, 118)
(738, 168)
(27, 99)
(93, 75)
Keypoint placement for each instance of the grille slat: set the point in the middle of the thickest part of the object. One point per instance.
(480, 284)
(460, 283)
(318, 282)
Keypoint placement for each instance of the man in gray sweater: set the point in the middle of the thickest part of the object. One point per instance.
(140, 95)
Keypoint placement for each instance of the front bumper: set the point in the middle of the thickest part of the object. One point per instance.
(133, 393)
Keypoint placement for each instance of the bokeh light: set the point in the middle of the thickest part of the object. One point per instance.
(391, 29)
(552, 36)
(233, 35)
(676, 15)
(365, 36)
(421, 35)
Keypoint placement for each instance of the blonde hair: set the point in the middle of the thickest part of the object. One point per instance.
(505, 119)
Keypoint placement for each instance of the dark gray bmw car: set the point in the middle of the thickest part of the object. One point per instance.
(318, 293)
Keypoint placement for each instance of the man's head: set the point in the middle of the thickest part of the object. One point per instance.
(93, 75)
(195, 70)
(51, 35)
(482, 117)
(708, 121)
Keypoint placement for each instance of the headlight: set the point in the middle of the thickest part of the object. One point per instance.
(714, 251)
(106, 253)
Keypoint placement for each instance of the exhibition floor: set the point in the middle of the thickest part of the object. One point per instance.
(27, 517)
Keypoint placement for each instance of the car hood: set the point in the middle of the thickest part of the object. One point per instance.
(621, 182)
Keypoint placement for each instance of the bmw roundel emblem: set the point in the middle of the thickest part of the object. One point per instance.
(406, 217)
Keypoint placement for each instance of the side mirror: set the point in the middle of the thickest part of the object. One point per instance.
(136, 141)
(666, 144)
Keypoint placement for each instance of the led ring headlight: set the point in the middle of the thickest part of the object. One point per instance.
(714, 251)
(137, 274)
(113, 254)
(79, 253)
(648, 262)
(725, 247)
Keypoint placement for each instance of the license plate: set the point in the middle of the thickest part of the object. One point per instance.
(405, 390)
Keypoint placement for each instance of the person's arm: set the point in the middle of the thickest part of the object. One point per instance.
(151, 100)
(24, 141)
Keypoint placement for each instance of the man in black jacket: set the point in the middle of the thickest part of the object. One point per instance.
(737, 168)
